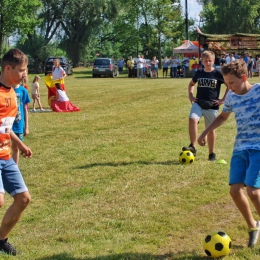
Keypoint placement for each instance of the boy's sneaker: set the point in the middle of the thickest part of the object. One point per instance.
(190, 148)
(212, 157)
(6, 247)
(254, 235)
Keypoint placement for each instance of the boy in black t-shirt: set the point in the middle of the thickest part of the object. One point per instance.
(206, 103)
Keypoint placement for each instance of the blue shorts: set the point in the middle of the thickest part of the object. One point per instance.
(11, 179)
(197, 112)
(245, 168)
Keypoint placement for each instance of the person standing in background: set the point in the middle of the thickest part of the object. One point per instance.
(165, 66)
(130, 66)
(139, 61)
(120, 66)
(36, 93)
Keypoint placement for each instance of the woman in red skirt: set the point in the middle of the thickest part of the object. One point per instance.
(62, 103)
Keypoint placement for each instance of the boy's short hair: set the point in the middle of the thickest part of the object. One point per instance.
(13, 58)
(237, 68)
(208, 54)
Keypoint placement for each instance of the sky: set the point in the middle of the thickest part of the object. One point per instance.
(193, 9)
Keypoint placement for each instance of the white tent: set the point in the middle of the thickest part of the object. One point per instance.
(187, 47)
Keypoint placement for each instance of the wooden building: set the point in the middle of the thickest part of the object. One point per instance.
(239, 43)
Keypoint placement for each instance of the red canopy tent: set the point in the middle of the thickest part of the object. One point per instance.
(187, 48)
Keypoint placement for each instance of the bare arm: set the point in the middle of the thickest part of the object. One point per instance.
(26, 130)
(190, 91)
(57, 95)
(25, 151)
(215, 124)
(64, 75)
(221, 101)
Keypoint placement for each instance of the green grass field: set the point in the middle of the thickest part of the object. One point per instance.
(106, 182)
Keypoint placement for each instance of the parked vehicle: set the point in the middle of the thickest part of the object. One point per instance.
(63, 62)
(104, 66)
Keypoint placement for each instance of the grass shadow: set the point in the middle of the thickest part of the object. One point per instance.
(82, 74)
(125, 256)
(117, 164)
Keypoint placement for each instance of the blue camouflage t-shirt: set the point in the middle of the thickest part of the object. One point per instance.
(22, 100)
(247, 114)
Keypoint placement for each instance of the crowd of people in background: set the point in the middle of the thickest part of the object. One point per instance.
(142, 68)
(175, 67)
(253, 63)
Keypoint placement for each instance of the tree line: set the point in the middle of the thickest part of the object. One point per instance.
(81, 30)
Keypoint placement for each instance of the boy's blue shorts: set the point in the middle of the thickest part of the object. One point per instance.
(11, 179)
(245, 168)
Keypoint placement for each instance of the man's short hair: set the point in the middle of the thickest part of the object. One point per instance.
(208, 54)
(237, 68)
(13, 58)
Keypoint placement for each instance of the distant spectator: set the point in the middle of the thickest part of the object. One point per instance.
(250, 66)
(144, 67)
(195, 66)
(230, 58)
(236, 56)
(140, 63)
(120, 66)
(174, 63)
(258, 65)
(223, 60)
(246, 58)
(154, 67)
(165, 66)
(130, 66)
(186, 63)
(217, 62)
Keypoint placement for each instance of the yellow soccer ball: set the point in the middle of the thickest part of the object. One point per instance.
(217, 244)
(186, 157)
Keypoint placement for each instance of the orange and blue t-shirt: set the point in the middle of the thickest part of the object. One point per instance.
(8, 111)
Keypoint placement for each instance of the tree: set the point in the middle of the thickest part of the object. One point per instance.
(167, 21)
(37, 51)
(17, 16)
(41, 42)
(144, 26)
(51, 14)
(83, 19)
(231, 16)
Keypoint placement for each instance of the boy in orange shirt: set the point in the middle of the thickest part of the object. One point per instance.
(14, 69)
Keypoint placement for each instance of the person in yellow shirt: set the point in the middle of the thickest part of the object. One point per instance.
(130, 65)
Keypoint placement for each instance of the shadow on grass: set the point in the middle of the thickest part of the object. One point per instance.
(81, 74)
(117, 164)
(125, 256)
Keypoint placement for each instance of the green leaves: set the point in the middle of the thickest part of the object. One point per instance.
(226, 16)
(17, 16)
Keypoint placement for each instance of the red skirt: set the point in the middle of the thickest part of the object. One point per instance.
(65, 106)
